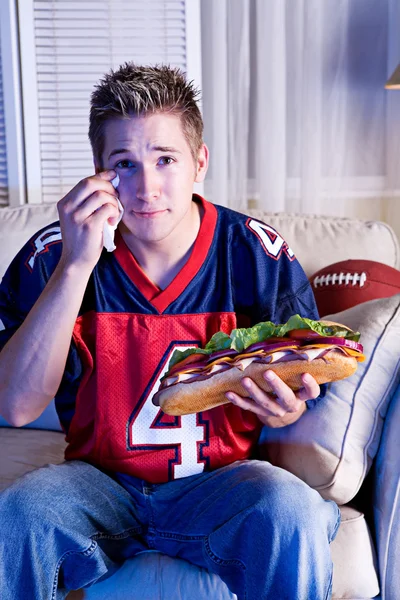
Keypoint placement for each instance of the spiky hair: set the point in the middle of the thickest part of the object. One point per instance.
(134, 90)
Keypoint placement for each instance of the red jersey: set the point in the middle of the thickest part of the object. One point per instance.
(240, 272)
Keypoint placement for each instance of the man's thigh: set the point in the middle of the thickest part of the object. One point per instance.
(79, 502)
(193, 508)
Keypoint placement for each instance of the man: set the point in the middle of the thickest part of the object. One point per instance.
(97, 329)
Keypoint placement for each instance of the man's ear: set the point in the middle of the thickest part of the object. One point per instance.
(202, 164)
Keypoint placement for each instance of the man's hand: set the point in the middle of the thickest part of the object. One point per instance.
(83, 213)
(33, 360)
(277, 410)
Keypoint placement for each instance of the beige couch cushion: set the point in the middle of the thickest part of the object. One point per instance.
(332, 446)
(23, 450)
(17, 225)
(319, 241)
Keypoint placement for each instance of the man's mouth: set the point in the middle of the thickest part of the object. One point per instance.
(149, 214)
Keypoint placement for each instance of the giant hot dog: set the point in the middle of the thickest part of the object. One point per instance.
(198, 378)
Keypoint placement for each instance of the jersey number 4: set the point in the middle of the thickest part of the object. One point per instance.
(150, 429)
(272, 242)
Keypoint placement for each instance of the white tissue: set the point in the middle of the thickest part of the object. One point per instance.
(109, 230)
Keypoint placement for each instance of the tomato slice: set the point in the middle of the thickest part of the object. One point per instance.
(303, 334)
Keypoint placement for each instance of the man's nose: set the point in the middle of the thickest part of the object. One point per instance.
(148, 185)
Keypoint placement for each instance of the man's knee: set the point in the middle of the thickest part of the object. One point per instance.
(281, 501)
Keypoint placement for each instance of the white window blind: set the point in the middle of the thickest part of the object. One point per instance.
(3, 147)
(73, 45)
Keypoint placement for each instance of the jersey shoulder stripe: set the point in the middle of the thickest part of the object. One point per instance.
(268, 238)
(271, 241)
(41, 243)
(28, 273)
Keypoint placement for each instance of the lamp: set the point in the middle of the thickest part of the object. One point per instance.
(394, 82)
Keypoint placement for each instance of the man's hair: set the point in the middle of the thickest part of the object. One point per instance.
(134, 90)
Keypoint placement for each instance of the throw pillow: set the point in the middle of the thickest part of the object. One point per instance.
(332, 446)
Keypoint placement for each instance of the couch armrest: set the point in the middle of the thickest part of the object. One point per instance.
(387, 503)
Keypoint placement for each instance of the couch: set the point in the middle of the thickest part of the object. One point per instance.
(347, 447)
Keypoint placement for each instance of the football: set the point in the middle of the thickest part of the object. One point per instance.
(350, 282)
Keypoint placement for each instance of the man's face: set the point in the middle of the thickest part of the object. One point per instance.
(157, 172)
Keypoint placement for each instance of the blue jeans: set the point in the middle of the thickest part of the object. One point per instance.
(262, 530)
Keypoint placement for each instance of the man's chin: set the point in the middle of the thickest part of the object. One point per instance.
(145, 232)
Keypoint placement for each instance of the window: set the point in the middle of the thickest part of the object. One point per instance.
(65, 47)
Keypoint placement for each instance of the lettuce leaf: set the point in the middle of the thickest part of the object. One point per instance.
(219, 341)
(179, 355)
(243, 338)
(297, 322)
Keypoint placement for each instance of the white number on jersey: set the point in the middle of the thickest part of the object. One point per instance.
(187, 435)
(273, 243)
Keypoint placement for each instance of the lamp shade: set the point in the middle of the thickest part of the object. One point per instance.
(394, 82)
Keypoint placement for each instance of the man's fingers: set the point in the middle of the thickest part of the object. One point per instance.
(107, 175)
(284, 400)
(93, 205)
(273, 410)
(285, 395)
(264, 400)
(310, 390)
(85, 189)
(104, 213)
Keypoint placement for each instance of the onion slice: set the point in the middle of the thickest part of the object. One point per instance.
(268, 346)
(221, 354)
(336, 341)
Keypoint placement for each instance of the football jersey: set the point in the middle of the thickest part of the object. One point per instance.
(240, 272)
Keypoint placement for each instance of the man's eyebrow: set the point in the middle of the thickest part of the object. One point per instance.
(118, 151)
(167, 149)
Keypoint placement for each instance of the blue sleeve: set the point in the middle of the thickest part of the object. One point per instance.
(26, 277)
(17, 296)
(21, 286)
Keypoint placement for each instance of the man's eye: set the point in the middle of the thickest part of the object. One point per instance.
(124, 164)
(166, 160)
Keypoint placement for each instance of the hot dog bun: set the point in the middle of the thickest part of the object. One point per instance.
(193, 397)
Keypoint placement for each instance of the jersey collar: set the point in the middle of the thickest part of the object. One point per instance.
(161, 299)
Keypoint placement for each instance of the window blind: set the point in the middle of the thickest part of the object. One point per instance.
(75, 44)
(3, 147)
